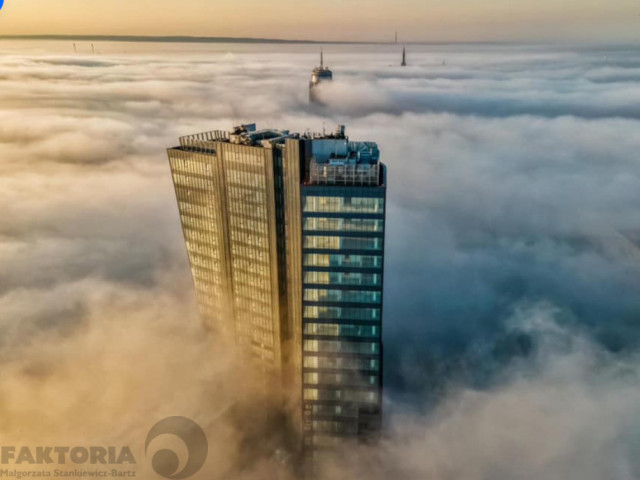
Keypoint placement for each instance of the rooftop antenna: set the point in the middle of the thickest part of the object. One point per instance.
(404, 57)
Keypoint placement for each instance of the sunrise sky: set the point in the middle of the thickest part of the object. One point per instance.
(353, 20)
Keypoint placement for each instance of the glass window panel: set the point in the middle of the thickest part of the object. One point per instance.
(337, 346)
(348, 378)
(345, 363)
(311, 394)
(362, 396)
(342, 243)
(342, 313)
(328, 426)
(343, 224)
(331, 410)
(340, 260)
(350, 296)
(343, 204)
(311, 378)
(333, 329)
(343, 278)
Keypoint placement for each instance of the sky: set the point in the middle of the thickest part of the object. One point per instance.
(513, 248)
(333, 20)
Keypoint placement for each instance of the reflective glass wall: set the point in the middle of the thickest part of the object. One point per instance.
(342, 275)
(227, 201)
(199, 203)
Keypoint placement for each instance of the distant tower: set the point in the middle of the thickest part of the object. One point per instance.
(404, 57)
(396, 37)
(319, 75)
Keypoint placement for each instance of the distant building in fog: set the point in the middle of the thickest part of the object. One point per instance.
(285, 237)
(319, 75)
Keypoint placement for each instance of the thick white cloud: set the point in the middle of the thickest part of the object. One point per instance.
(513, 180)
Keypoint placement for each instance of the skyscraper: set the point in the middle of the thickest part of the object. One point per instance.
(285, 236)
(319, 75)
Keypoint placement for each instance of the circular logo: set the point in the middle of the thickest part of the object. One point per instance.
(165, 462)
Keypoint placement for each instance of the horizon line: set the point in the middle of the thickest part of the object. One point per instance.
(206, 39)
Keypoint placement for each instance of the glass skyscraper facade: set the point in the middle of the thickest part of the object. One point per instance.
(231, 210)
(342, 252)
(285, 237)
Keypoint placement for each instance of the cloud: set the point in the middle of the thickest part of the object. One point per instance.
(563, 413)
(513, 180)
(105, 381)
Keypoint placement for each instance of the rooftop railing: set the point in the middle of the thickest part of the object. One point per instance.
(203, 142)
(344, 174)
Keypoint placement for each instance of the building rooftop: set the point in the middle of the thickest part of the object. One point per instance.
(328, 146)
(335, 160)
(321, 72)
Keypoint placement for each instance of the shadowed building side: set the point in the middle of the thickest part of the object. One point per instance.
(342, 209)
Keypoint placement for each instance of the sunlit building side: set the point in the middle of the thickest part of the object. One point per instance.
(230, 201)
(342, 207)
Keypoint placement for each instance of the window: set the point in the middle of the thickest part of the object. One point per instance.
(311, 394)
(332, 329)
(362, 396)
(311, 378)
(343, 204)
(372, 314)
(347, 296)
(342, 243)
(351, 378)
(343, 363)
(343, 224)
(327, 426)
(335, 346)
(342, 278)
(339, 260)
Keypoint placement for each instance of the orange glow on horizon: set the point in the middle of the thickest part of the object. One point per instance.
(357, 20)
